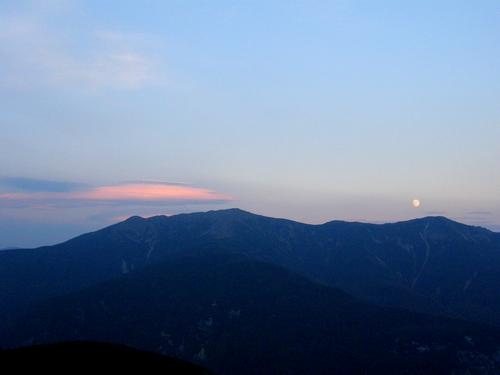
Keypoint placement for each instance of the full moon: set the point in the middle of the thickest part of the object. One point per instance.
(416, 203)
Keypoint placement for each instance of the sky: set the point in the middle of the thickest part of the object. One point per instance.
(309, 110)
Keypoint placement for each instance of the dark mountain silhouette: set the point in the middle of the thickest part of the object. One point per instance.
(93, 357)
(431, 265)
(235, 315)
(9, 248)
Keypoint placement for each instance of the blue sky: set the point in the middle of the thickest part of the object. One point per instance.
(312, 110)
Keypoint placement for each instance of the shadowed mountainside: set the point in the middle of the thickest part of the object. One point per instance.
(234, 315)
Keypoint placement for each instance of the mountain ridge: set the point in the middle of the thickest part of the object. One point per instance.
(430, 264)
(141, 219)
(428, 218)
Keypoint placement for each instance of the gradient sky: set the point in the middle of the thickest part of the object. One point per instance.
(310, 110)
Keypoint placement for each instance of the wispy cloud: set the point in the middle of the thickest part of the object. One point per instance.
(479, 213)
(37, 185)
(36, 52)
(130, 193)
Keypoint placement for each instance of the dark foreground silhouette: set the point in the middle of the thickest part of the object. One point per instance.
(90, 356)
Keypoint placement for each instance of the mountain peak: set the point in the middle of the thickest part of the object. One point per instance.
(444, 221)
(436, 219)
(231, 211)
(228, 213)
(134, 218)
(440, 221)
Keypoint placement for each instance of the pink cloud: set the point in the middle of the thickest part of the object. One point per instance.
(136, 192)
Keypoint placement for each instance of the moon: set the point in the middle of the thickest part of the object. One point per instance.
(415, 203)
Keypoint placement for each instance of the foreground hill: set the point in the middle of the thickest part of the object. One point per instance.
(91, 357)
(234, 315)
(431, 265)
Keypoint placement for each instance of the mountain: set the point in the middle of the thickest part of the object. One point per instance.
(90, 356)
(432, 265)
(235, 315)
(9, 248)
